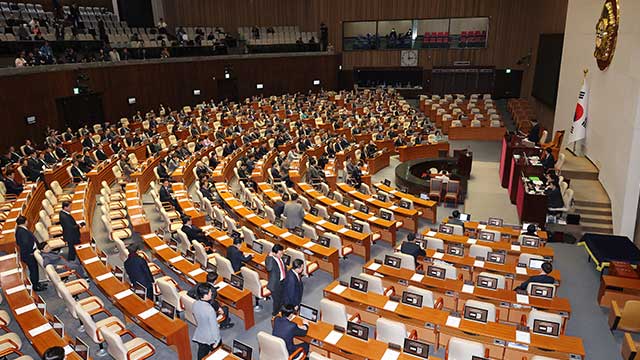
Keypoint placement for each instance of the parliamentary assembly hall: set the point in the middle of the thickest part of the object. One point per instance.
(319, 179)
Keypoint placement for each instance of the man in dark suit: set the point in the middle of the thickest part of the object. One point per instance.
(138, 270)
(554, 196)
(162, 169)
(194, 232)
(88, 143)
(409, 247)
(76, 172)
(548, 162)
(70, 229)
(11, 185)
(235, 256)
(278, 207)
(50, 156)
(293, 286)
(286, 329)
(220, 309)
(13, 155)
(101, 155)
(28, 148)
(543, 277)
(61, 153)
(165, 195)
(534, 133)
(277, 272)
(27, 243)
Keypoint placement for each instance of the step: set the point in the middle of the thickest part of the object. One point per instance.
(587, 203)
(597, 229)
(593, 210)
(596, 219)
(579, 174)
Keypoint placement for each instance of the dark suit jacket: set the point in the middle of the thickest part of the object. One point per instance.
(138, 271)
(278, 208)
(236, 257)
(287, 330)
(165, 195)
(77, 175)
(26, 242)
(162, 171)
(534, 134)
(61, 152)
(544, 279)
(193, 232)
(88, 143)
(12, 186)
(70, 229)
(273, 270)
(49, 158)
(101, 155)
(412, 249)
(548, 162)
(554, 199)
(292, 290)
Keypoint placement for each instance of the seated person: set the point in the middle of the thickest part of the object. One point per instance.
(11, 185)
(543, 277)
(220, 309)
(194, 232)
(554, 196)
(409, 247)
(548, 162)
(236, 256)
(455, 218)
(286, 329)
(165, 195)
(534, 133)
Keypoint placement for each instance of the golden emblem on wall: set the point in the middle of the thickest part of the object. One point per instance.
(607, 33)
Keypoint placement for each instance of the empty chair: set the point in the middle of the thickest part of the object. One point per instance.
(500, 279)
(406, 261)
(225, 269)
(375, 285)
(427, 297)
(366, 228)
(335, 313)
(476, 250)
(560, 162)
(336, 242)
(492, 313)
(248, 235)
(309, 267)
(461, 349)
(11, 343)
(273, 347)
(435, 189)
(257, 286)
(453, 191)
(497, 235)
(476, 122)
(187, 302)
(266, 245)
(309, 232)
(134, 349)
(627, 318)
(390, 331)
(92, 327)
(75, 287)
(342, 220)
(457, 229)
(451, 272)
(169, 293)
(435, 243)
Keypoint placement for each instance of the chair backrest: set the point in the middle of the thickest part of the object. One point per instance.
(225, 269)
(69, 302)
(200, 254)
(560, 161)
(476, 122)
(525, 257)
(115, 346)
(435, 185)
(490, 308)
(51, 197)
(251, 281)
(57, 189)
(297, 254)
(248, 235)
(453, 186)
(427, 295)
(169, 293)
(266, 245)
(187, 303)
(183, 241)
(476, 250)
(630, 319)
(567, 199)
(123, 252)
(90, 326)
(41, 233)
(435, 243)
(334, 313)
(272, 347)
(459, 349)
(457, 229)
(406, 261)
(375, 283)
(309, 232)
(500, 279)
(536, 314)
(390, 331)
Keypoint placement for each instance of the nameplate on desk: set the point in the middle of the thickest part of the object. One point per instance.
(238, 207)
(338, 289)
(7, 257)
(24, 309)
(478, 263)
(92, 260)
(390, 354)
(15, 288)
(482, 226)
(176, 259)
(322, 222)
(390, 305)
(190, 209)
(471, 241)
(515, 247)
(123, 294)
(453, 321)
(277, 198)
(352, 211)
(250, 216)
(68, 350)
(148, 313)
(466, 288)
(8, 231)
(12, 219)
(266, 225)
(523, 337)
(196, 272)
(333, 337)
(417, 277)
(82, 246)
(522, 299)
(373, 218)
(286, 235)
(518, 346)
(79, 211)
(148, 236)
(40, 329)
(322, 197)
(438, 255)
(220, 354)
(374, 266)
(104, 276)
(223, 238)
(132, 190)
(521, 270)
(134, 207)
(432, 233)
(392, 207)
(207, 228)
(343, 230)
(308, 245)
(137, 216)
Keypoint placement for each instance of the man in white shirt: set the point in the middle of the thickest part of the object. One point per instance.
(20, 60)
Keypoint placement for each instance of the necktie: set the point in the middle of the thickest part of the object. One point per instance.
(283, 274)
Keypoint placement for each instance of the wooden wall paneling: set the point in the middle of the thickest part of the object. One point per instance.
(48, 6)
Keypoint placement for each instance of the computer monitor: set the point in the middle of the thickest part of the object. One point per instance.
(346, 202)
(236, 281)
(323, 240)
(530, 241)
(424, 196)
(416, 348)
(386, 182)
(496, 257)
(412, 299)
(495, 222)
(405, 204)
(542, 291)
(358, 284)
(487, 282)
(455, 249)
(58, 326)
(217, 224)
(403, 189)
(436, 272)
(41, 305)
(298, 231)
(356, 227)
(334, 220)
(385, 215)
(547, 328)
(190, 255)
(381, 197)
(465, 217)
(211, 268)
(313, 211)
(278, 223)
(235, 234)
(445, 229)
(364, 208)
(81, 348)
(536, 264)
(478, 358)
(358, 331)
(309, 313)
(286, 259)
(330, 195)
(393, 261)
(257, 247)
(140, 290)
(475, 314)
(167, 309)
(242, 350)
(486, 235)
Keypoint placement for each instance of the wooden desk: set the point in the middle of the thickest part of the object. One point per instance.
(620, 289)
(145, 175)
(421, 151)
(387, 229)
(485, 133)
(188, 208)
(139, 150)
(531, 207)
(429, 208)
(409, 217)
(72, 146)
(326, 257)
(240, 302)
(379, 162)
(58, 173)
(136, 213)
(175, 333)
(17, 296)
(475, 226)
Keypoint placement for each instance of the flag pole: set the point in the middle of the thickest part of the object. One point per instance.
(585, 72)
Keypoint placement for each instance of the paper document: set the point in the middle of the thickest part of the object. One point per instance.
(333, 337)
(338, 289)
(453, 321)
(148, 313)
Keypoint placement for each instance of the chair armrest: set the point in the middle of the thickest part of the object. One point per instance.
(629, 349)
(143, 345)
(296, 353)
(390, 291)
(354, 317)
(413, 335)
(438, 304)
(614, 315)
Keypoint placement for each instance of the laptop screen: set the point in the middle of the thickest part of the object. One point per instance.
(475, 314)
(334, 220)
(286, 259)
(385, 215)
(81, 348)
(416, 348)
(168, 309)
(241, 350)
(386, 182)
(382, 197)
(455, 250)
(358, 284)
(405, 204)
(487, 282)
(487, 236)
(547, 328)
(313, 211)
(356, 227)
(541, 291)
(495, 222)
(298, 231)
(445, 229)
(140, 290)
(392, 261)
(358, 331)
(235, 234)
(536, 264)
(412, 299)
(496, 257)
(364, 208)
(436, 272)
(530, 241)
(257, 247)
(212, 268)
(237, 281)
(465, 217)
(309, 313)
(323, 240)
(346, 202)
